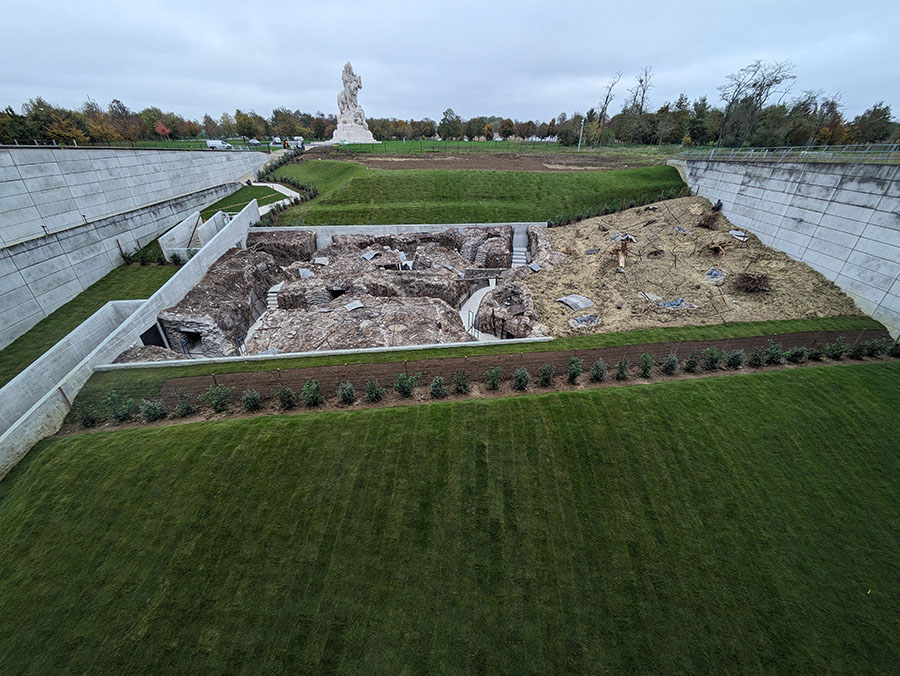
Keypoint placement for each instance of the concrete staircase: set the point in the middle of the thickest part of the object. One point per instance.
(272, 296)
(520, 247)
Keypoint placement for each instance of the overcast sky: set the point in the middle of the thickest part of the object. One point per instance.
(517, 59)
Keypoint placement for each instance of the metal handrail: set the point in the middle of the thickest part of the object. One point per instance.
(878, 153)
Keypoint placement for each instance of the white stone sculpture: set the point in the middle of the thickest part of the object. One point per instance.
(351, 127)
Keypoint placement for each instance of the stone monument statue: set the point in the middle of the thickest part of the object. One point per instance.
(351, 126)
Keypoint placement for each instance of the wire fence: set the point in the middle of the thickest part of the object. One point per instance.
(237, 146)
(866, 153)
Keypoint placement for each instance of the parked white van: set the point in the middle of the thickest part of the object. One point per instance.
(218, 145)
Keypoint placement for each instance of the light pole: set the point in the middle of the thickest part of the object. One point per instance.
(580, 134)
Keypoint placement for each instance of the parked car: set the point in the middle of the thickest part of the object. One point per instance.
(218, 145)
(276, 141)
(254, 142)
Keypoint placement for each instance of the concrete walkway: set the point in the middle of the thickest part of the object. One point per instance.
(277, 187)
(471, 305)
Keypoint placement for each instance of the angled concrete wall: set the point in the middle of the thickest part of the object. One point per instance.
(841, 219)
(40, 275)
(35, 403)
(46, 190)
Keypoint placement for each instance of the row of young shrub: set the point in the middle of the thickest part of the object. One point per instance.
(306, 192)
(268, 171)
(119, 407)
(612, 207)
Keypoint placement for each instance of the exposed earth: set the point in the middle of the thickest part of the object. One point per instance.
(667, 262)
(490, 161)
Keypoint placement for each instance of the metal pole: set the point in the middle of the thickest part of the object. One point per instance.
(580, 134)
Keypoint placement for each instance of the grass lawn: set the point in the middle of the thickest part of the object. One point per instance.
(683, 527)
(238, 200)
(124, 283)
(152, 379)
(452, 196)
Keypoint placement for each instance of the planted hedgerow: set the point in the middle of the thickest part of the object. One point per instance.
(576, 365)
(118, 406)
(545, 375)
(405, 384)
(757, 358)
(797, 355)
(646, 365)
(461, 382)
(374, 391)
(621, 372)
(692, 362)
(711, 358)
(774, 353)
(86, 415)
(217, 396)
(184, 406)
(597, 372)
(836, 349)
(492, 377)
(438, 390)
(152, 410)
(735, 359)
(346, 393)
(312, 395)
(521, 378)
(670, 365)
(251, 400)
(857, 351)
(287, 398)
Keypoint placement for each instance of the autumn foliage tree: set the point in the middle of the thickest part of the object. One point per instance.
(161, 129)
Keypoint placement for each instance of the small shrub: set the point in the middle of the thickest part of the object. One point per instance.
(346, 393)
(287, 398)
(176, 259)
(836, 349)
(374, 391)
(894, 349)
(735, 359)
(597, 372)
(184, 406)
(406, 384)
(670, 365)
(521, 378)
(857, 351)
(646, 365)
(492, 377)
(86, 415)
(710, 359)
(797, 355)
(311, 393)
(545, 375)
(461, 382)
(576, 365)
(217, 396)
(757, 358)
(152, 410)
(251, 400)
(692, 362)
(118, 406)
(708, 221)
(816, 353)
(621, 372)
(877, 347)
(750, 282)
(774, 353)
(438, 391)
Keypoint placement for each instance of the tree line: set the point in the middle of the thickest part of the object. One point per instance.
(754, 108)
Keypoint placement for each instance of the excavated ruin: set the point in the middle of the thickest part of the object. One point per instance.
(284, 246)
(508, 312)
(213, 318)
(357, 321)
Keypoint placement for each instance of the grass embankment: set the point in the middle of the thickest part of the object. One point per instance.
(152, 379)
(446, 196)
(124, 283)
(238, 200)
(687, 527)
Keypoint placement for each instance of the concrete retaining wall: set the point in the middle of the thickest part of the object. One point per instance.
(37, 400)
(324, 233)
(44, 190)
(841, 219)
(40, 275)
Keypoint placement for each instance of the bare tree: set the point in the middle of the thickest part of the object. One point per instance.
(608, 98)
(640, 90)
(753, 85)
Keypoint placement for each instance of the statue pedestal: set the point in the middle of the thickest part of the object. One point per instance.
(353, 133)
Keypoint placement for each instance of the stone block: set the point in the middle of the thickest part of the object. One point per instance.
(792, 236)
(886, 219)
(53, 208)
(849, 211)
(792, 249)
(842, 224)
(881, 257)
(865, 200)
(27, 156)
(27, 171)
(814, 192)
(837, 251)
(64, 290)
(16, 294)
(47, 195)
(14, 202)
(891, 302)
(822, 262)
(895, 288)
(815, 176)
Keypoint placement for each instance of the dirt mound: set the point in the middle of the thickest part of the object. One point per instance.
(675, 274)
(147, 353)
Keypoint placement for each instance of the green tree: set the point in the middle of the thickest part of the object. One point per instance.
(450, 127)
(873, 125)
(245, 125)
(507, 128)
